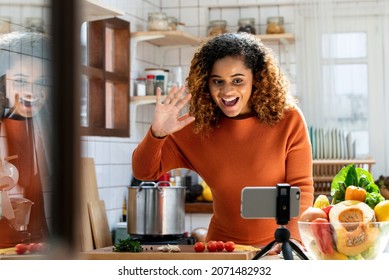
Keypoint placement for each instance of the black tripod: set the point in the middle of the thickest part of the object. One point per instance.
(282, 234)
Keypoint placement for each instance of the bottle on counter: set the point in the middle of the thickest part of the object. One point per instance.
(124, 211)
(150, 85)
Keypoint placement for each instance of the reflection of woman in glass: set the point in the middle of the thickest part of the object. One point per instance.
(24, 72)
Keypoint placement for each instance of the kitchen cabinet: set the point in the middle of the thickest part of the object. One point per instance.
(104, 69)
(105, 79)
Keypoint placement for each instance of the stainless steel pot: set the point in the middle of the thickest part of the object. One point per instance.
(156, 210)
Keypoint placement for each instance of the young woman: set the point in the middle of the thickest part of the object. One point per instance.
(243, 129)
(24, 95)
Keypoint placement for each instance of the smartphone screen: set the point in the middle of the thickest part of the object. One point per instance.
(261, 202)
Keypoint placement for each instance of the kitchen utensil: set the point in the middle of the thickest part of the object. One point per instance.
(156, 210)
(89, 193)
(9, 175)
(22, 209)
(99, 223)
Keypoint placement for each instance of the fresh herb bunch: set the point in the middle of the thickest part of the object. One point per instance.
(355, 176)
(127, 245)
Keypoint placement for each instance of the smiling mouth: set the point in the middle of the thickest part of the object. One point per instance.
(230, 101)
(29, 101)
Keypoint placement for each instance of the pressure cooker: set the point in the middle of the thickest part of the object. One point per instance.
(156, 209)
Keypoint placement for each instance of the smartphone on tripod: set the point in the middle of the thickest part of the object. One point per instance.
(261, 202)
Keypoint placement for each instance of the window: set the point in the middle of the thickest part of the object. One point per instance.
(105, 78)
(345, 63)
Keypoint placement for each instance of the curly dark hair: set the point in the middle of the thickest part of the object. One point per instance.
(270, 94)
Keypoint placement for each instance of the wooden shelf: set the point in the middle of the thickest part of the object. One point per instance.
(143, 99)
(94, 10)
(180, 38)
(166, 38)
(199, 207)
(344, 162)
(285, 38)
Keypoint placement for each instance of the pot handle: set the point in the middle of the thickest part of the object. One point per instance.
(146, 183)
(142, 184)
(161, 185)
(164, 184)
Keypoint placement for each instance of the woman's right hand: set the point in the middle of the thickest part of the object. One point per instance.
(166, 117)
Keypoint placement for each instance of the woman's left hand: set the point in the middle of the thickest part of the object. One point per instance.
(277, 248)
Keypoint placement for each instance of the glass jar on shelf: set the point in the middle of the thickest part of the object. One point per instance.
(246, 25)
(157, 22)
(140, 86)
(275, 25)
(217, 27)
(172, 23)
(160, 83)
(150, 85)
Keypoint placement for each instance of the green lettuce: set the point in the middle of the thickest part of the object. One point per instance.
(355, 176)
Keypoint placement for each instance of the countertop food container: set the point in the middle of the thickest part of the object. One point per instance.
(156, 210)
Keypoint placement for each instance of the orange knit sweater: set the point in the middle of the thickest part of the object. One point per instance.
(239, 153)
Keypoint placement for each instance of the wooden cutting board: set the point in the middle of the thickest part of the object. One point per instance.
(99, 223)
(89, 194)
(187, 253)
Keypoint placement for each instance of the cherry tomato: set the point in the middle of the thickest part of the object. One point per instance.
(33, 247)
(220, 245)
(43, 247)
(229, 246)
(199, 246)
(21, 248)
(211, 246)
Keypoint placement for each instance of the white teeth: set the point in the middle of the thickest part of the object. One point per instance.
(229, 99)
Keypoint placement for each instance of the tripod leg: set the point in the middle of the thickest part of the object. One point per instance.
(287, 251)
(298, 251)
(264, 250)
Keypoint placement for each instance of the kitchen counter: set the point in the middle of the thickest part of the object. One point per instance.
(198, 207)
(187, 253)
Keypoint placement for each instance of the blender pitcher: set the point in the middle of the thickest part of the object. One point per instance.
(22, 210)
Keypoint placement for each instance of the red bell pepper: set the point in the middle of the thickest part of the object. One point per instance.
(322, 234)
